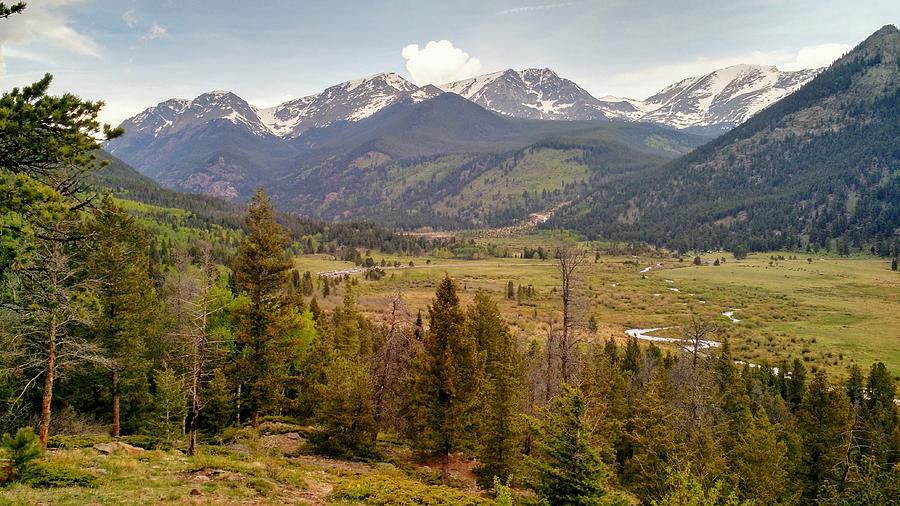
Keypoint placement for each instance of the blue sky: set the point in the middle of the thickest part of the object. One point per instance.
(135, 53)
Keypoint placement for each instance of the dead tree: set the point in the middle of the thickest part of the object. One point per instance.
(390, 362)
(199, 304)
(696, 337)
(49, 299)
(569, 263)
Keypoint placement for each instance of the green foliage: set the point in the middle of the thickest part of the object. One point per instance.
(20, 451)
(823, 420)
(264, 344)
(439, 410)
(567, 469)
(686, 490)
(49, 474)
(170, 405)
(8, 10)
(346, 412)
(46, 143)
(500, 399)
(391, 487)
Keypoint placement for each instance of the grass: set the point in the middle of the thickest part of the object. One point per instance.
(268, 474)
(831, 312)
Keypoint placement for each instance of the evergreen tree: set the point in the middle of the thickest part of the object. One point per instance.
(443, 385)
(346, 411)
(567, 470)
(261, 275)
(501, 394)
(346, 408)
(128, 316)
(823, 420)
(170, 404)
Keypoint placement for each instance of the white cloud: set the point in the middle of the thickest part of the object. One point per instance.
(439, 62)
(271, 101)
(644, 82)
(155, 32)
(534, 8)
(130, 18)
(816, 56)
(43, 21)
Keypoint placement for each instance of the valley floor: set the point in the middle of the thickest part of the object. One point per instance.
(829, 311)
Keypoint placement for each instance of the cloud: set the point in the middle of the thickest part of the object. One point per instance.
(816, 56)
(439, 62)
(155, 32)
(43, 21)
(130, 18)
(646, 81)
(271, 101)
(534, 8)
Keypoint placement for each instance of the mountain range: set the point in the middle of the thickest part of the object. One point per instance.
(219, 144)
(723, 98)
(812, 159)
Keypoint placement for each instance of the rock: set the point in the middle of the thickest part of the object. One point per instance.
(118, 447)
(194, 491)
(293, 436)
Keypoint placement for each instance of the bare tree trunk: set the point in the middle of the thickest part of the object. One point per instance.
(48, 382)
(568, 262)
(445, 466)
(116, 424)
(549, 376)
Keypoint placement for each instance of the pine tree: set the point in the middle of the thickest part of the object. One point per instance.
(128, 300)
(261, 274)
(823, 420)
(346, 408)
(501, 396)
(439, 410)
(567, 470)
(346, 411)
(170, 404)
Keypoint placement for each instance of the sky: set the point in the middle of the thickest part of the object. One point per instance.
(135, 53)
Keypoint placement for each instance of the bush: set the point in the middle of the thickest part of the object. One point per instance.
(394, 488)
(19, 452)
(47, 474)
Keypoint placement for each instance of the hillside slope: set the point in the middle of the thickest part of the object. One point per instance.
(820, 167)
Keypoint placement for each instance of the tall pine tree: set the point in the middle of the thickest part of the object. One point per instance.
(261, 274)
(501, 393)
(443, 385)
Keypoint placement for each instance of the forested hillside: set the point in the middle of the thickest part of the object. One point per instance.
(398, 180)
(819, 169)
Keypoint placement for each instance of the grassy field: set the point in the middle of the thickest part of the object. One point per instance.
(830, 311)
(272, 466)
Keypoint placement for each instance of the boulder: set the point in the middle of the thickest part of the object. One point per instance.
(118, 447)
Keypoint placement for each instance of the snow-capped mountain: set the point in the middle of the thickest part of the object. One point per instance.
(175, 115)
(725, 97)
(531, 94)
(349, 101)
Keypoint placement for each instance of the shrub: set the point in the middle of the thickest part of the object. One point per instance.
(48, 474)
(20, 451)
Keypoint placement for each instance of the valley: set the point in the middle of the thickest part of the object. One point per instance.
(852, 309)
(450, 285)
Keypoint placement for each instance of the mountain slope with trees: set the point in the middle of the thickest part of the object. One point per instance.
(819, 169)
